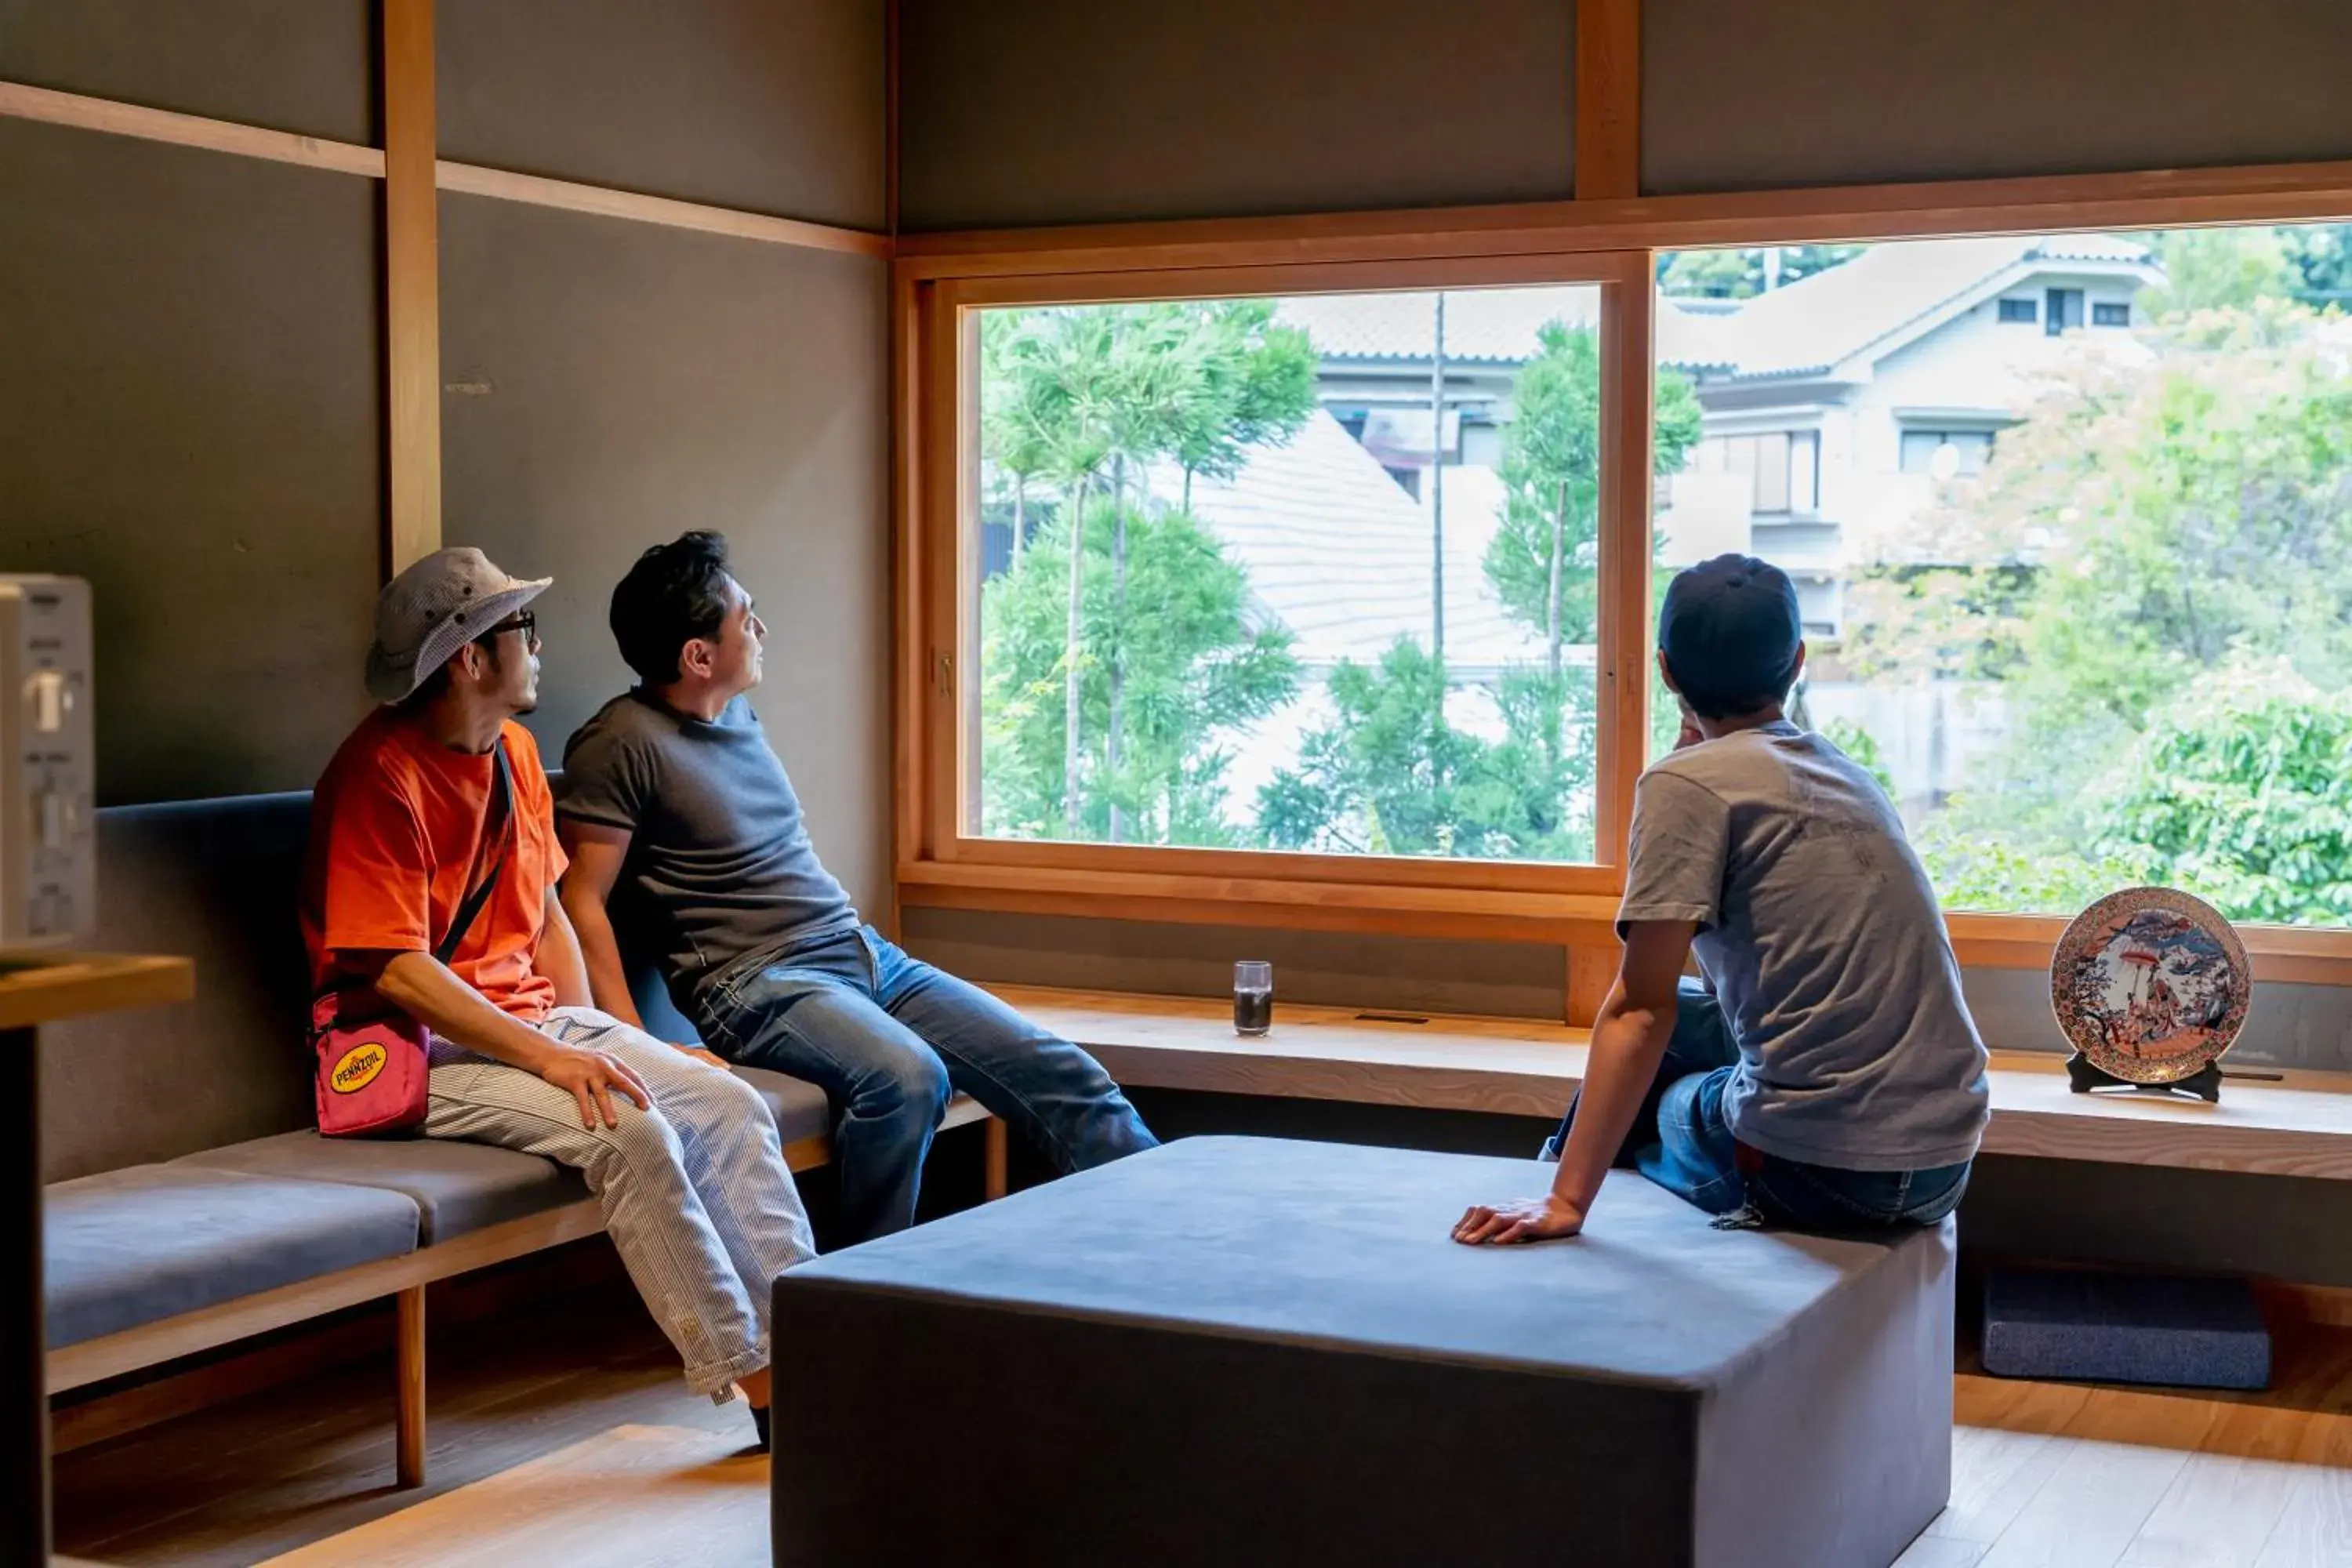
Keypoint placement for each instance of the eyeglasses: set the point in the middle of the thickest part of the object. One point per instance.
(521, 621)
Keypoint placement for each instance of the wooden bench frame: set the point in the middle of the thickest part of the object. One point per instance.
(405, 1278)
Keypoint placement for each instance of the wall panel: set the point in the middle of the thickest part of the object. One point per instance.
(1838, 92)
(1331, 968)
(191, 416)
(306, 66)
(1039, 112)
(772, 106)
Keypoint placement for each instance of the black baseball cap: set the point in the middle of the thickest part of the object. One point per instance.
(1731, 630)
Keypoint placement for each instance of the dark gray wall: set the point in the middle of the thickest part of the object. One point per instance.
(610, 385)
(773, 106)
(1044, 112)
(1036, 111)
(306, 66)
(1327, 968)
(1852, 90)
(190, 417)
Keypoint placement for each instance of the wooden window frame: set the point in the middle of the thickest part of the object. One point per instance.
(1609, 241)
(949, 554)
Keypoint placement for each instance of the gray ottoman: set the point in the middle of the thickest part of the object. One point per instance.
(1253, 1350)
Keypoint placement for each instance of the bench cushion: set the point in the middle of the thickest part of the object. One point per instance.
(148, 1242)
(457, 1186)
(460, 1186)
(800, 1108)
(1253, 1350)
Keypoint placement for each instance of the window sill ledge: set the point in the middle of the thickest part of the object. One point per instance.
(2301, 1126)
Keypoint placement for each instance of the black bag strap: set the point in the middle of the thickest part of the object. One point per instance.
(498, 816)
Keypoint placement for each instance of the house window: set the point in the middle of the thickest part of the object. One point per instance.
(1971, 450)
(2020, 310)
(1784, 467)
(2063, 310)
(2111, 315)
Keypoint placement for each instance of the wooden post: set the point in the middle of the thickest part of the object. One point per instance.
(1624, 620)
(412, 279)
(23, 1355)
(1608, 98)
(410, 1426)
(1591, 971)
(1000, 1150)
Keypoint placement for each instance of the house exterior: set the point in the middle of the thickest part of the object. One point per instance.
(1836, 404)
(1827, 401)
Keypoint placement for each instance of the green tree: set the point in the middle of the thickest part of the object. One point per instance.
(1544, 559)
(2321, 254)
(2148, 526)
(1378, 779)
(1259, 387)
(1194, 670)
(2217, 269)
(1740, 274)
(2240, 788)
(1089, 398)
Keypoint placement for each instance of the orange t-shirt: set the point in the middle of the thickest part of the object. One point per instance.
(395, 845)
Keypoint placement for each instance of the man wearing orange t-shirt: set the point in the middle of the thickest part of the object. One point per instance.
(682, 1155)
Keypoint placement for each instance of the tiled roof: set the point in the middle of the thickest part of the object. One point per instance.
(1490, 326)
(1808, 325)
(1337, 552)
(1819, 320)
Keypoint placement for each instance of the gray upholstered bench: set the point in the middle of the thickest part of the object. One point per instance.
(136, 1246)
(1243, 1350)
(187, 1207)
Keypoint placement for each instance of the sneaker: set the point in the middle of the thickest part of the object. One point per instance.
(760, 1420)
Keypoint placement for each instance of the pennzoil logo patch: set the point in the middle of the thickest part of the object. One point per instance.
(359, 1067)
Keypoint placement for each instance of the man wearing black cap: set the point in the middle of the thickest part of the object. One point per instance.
(1834, 1080)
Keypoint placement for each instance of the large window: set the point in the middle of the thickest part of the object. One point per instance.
(1307, 572)
(2093, 588)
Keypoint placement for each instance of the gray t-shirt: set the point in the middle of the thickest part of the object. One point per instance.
(1821, 937)
(720, 864)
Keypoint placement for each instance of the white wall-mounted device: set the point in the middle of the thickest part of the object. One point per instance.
(49, 765)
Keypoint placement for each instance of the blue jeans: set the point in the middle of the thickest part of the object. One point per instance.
(888, 1037)
(1680, 1140)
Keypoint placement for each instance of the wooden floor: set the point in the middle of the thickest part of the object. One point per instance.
(569, 1440)
(243, 1482)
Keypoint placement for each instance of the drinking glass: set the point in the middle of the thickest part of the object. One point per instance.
(1253, 998)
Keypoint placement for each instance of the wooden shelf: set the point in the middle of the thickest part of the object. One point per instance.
(69, 984)
(2300, 1126)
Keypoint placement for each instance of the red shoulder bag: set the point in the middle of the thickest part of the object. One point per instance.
(373, 1065)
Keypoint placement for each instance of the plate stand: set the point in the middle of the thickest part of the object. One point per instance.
(2205, 1083)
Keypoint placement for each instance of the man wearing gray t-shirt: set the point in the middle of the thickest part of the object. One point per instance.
(673, 794)
(1834, 1080)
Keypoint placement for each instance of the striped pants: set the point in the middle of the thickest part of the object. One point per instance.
(695, 1195)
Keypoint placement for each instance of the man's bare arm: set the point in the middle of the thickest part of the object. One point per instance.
(559, 957)
(596, 856)
(1630, 1035)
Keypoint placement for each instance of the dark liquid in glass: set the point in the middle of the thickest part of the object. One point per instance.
(1252, 1012)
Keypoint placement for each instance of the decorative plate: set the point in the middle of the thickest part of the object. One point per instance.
(2150, 984)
